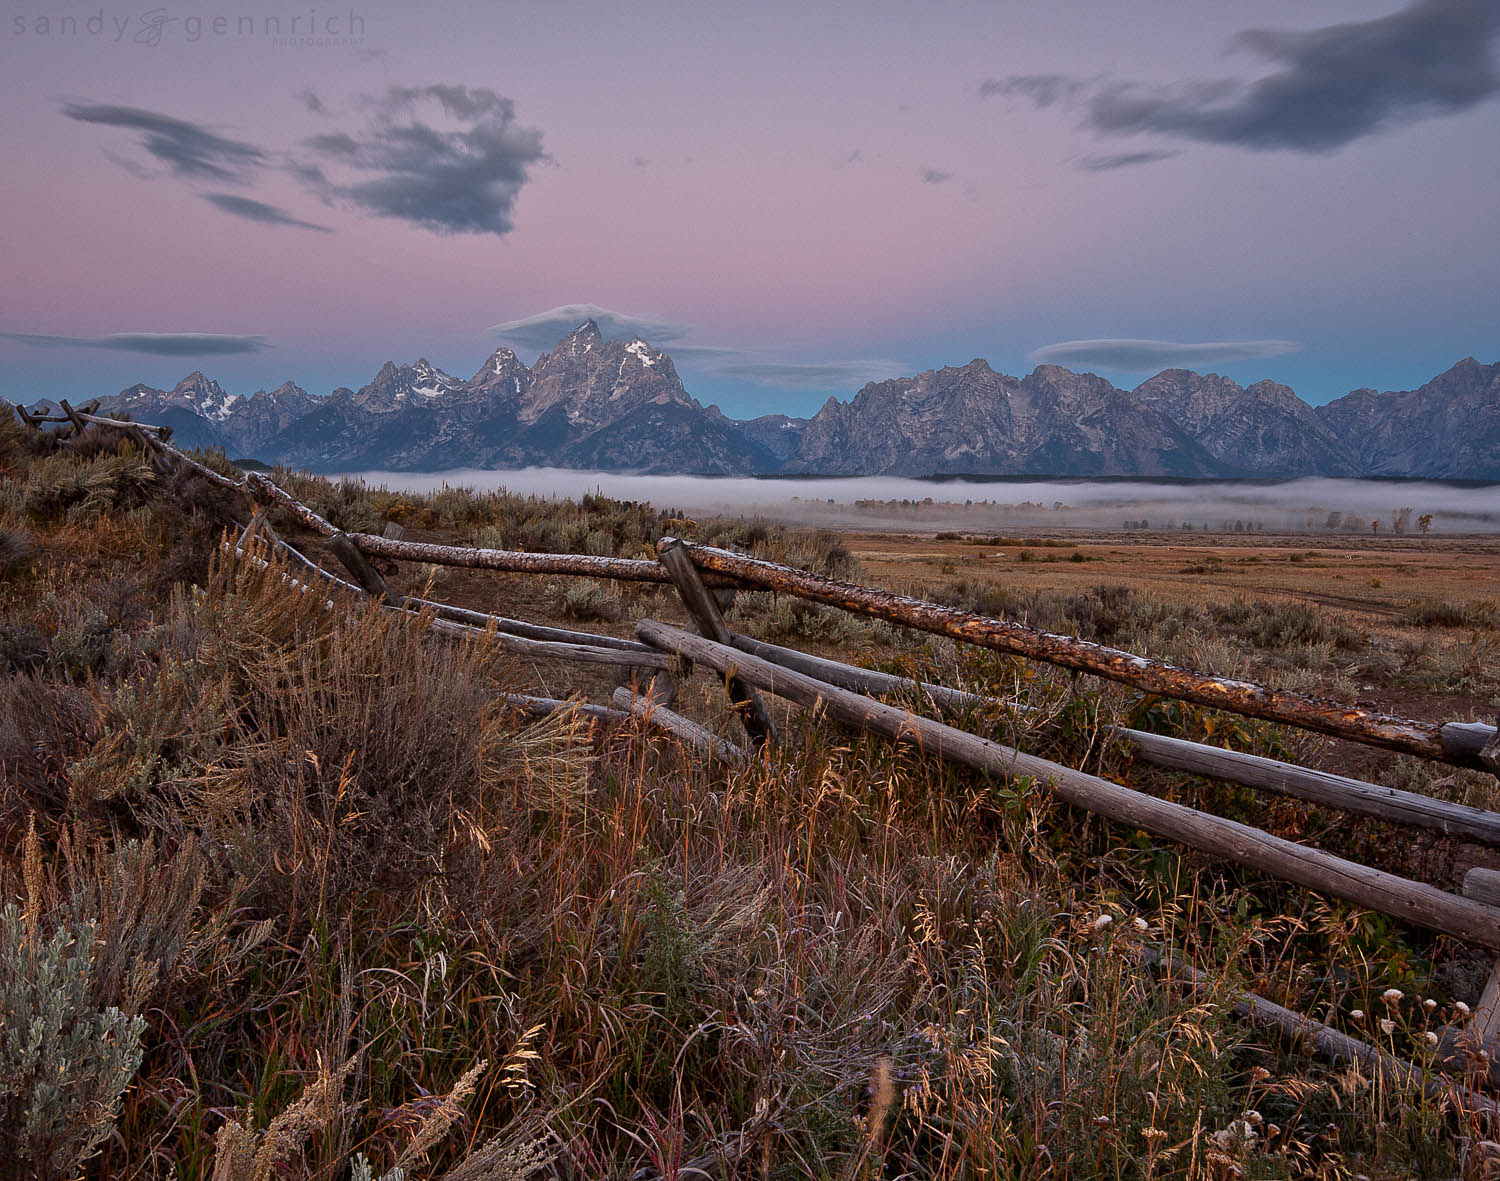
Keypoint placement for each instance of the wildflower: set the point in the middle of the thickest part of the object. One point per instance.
(1254, 1118)
(1392, 996)
(1356, 1014)
(1272, 1131)
(1430, 1038)
(1139, 924)
(1461, 1007)
(1429, 1004)
(1387, 1026)
(1104, 922)
(1101, 1121)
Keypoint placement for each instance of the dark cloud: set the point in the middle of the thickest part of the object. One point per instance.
(259, 211)
(450, 181)
(1149, 356)
(1041, 89)
(1123, 160)
(1332, 85)
(544, 329)
(931, 176)
(1337, 84)
(187, 149)
(459, 177)
(158, 344)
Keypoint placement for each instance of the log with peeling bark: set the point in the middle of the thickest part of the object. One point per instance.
(269, 492)
(149, 437)
(1413, 902)
(578, 653)
(1176, 754)
(699, 738)
(1406, 735)
(512, 561)
(477, 619)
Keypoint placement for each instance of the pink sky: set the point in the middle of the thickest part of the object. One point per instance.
(822, 196)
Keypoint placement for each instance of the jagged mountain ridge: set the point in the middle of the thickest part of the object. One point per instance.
(620, 405)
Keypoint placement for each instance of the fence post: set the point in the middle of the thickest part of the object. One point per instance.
(710, 620)
(368, 578)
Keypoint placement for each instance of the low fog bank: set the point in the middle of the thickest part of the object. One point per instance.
(1313, 505)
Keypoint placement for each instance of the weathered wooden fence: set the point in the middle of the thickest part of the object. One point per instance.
(660, 654)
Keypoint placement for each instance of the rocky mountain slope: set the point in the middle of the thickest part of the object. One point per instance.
(621, 406)
(1447, 429)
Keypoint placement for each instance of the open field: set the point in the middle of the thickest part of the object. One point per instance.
(303, 897)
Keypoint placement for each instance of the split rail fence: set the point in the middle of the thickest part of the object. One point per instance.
(659, 655)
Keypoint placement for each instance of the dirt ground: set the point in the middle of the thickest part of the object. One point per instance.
(1371, 578)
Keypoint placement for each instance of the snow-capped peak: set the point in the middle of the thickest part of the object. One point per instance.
(641, 350)
(206, 396)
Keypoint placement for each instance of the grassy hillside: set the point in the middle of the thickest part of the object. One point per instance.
(289, 891)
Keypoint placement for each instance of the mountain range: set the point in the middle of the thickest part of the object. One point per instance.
(617, 405)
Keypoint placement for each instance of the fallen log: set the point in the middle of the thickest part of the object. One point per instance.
(513, 561)
(478, 619)
(699, 738)
(554, 650)
(1413, 902)
(644, 657)
(1406, 735)
(1318, 787)
(1175, 754)
(710, 620)
(542, 706)
(1332, 1043)
(150, 436)
(519, 627)
(862, 680)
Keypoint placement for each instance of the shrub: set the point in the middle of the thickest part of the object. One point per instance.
(64, 1061)
(589, 600)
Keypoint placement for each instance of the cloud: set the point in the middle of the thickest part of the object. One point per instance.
(750, 365)
(259, 211)
(455, 171)
(450, 181)
(545, 329)
(1123, 160)
(1042, 89)
(158, 344)
(187, 149)
(1149, 356)
(931, 176)
(1330, 86)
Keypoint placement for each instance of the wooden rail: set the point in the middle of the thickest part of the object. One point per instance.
(1406, 735)
(1413, 902)
(1471, 745)
(835, 688)
(1318, 787)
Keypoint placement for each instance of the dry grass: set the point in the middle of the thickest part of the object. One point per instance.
(331, 878)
